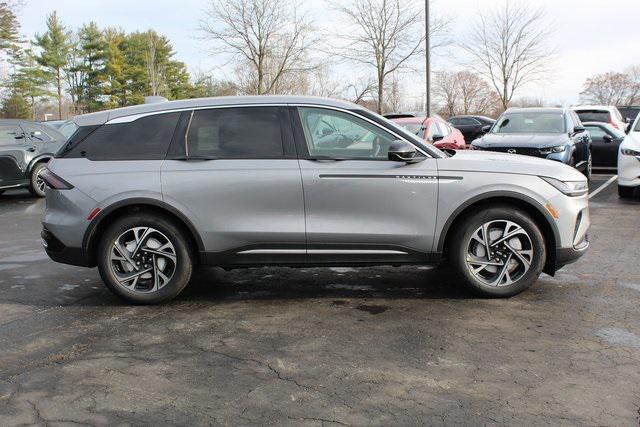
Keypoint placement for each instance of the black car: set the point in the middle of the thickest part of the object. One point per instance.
(605, 144)
(551, 133)
(472, 127)
(25, 149)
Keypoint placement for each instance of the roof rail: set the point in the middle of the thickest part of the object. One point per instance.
(154, 99)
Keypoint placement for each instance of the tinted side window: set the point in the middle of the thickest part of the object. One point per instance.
(8, 135)
(236, 133)
(596, 132)
(147, 138)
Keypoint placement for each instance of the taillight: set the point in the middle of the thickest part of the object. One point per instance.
(54, 181)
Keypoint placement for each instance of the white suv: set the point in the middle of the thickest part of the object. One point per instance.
(602, 113)
(629, 162)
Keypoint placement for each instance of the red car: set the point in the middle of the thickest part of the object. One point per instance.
(433, 130)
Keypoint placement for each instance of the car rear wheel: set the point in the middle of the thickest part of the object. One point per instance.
(626, 192)
(37, 186)
(498, 252)
(145, 259)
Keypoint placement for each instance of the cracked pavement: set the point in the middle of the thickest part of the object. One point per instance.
(322, 346)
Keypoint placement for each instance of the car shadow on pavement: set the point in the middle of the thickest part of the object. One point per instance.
(215, 284)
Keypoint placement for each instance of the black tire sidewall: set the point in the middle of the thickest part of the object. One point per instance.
(626, 192)
(33, 186)
(184, 257)
(463, 234)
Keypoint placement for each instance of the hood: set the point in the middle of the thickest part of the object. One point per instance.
(632, 141)
(528, 140)
(484, 161)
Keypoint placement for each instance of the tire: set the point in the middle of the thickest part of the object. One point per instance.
(165, 278)
(1, 192)
(626, 192)
(468, 254)
(588, 170)
(37, 186)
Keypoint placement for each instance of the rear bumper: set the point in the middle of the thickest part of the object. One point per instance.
(58, 252)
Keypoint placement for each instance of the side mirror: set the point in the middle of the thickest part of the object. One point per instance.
(579, 129)
(486, 128)
(401, 151)
(436, 138)
(607, 138)
(628, 120)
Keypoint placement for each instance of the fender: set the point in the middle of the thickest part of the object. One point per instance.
(104, 213)
(493, 194)
(41, 157)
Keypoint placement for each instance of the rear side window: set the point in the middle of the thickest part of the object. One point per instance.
(236, 133)
(146, 138)
(594, 116)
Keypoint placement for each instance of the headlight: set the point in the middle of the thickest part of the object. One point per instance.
(569, 188)
(628, 152)
(557, 149)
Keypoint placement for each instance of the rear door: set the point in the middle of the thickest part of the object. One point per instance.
(361, 207)
(235, 175)
(13, 158)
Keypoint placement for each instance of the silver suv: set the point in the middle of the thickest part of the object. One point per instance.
(148, 192)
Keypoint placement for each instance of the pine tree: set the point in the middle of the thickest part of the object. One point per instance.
(54, 50)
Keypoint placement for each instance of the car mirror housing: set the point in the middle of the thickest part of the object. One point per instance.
(401, 151)
(486, 128)
(607, 138)
(579, 129)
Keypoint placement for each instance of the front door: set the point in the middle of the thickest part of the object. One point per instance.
(239, 182)
(13, 159)
(360, 206)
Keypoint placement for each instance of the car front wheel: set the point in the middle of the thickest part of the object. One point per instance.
(145, 258)
(498, 252)
(626, 192)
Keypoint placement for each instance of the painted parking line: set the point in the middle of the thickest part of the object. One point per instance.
(603, 186)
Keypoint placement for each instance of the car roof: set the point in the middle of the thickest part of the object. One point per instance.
(522, 110)
(593, 107)
(102, 117)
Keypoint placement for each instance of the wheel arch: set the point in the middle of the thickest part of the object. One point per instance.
(42, 158)
(539, 214)
(119, 209)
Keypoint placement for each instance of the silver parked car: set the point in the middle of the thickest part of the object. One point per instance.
(148, 192)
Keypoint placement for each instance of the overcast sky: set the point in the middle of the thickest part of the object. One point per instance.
(591, 36)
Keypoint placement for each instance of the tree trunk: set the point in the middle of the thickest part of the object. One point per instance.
(59, 94)
(380, 95)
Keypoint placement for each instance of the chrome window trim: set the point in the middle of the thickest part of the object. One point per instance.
(134, 117)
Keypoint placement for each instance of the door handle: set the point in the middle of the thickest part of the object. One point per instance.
(31, 149)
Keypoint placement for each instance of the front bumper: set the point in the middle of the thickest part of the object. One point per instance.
(566, 256)
(628, 170)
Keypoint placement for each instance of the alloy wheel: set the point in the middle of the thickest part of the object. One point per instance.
(40, 183)
(499, 253)
(143, 259)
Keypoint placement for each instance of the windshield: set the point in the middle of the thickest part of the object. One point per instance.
(593, 116)
(414, 128)
(530, 123)
(67, 129)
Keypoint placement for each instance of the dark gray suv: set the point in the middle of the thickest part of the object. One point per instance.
(25, 149)
(147, 192)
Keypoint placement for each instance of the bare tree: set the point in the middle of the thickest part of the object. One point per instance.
(508, 46)
(462, 92)
(613, 88)
(268, 36)
(475, 93)
(445, 89)
(359, 90)
(383, 34)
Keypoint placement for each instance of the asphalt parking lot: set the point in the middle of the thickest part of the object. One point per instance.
(322, 346)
